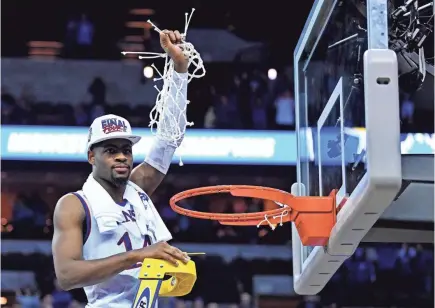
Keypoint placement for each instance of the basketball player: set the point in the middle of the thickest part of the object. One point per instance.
(91, 248)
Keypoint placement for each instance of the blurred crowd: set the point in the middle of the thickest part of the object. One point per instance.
(246, 100)
(384, 275)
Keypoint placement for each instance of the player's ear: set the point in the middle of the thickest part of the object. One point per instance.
(91, 157)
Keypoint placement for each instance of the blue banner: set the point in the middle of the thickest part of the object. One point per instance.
(42, 143)
(241, 147)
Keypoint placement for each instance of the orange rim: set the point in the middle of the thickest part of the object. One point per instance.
(314, 217)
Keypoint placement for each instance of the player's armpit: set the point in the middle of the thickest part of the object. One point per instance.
(67, 246)
(147, 177)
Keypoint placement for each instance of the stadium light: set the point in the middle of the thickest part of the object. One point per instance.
(271, 73)
(148, 72)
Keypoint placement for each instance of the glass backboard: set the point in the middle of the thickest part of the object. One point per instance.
(332, 75)
(332, 87)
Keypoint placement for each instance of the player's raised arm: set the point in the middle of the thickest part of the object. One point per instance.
(149, 174)
(67, 246)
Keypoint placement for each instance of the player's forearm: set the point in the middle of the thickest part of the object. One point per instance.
(74, 274)
(175, 107)
(171, 123)
(179, 91)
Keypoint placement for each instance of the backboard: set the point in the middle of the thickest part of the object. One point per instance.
(348, 127)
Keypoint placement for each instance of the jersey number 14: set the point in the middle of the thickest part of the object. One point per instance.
(125, 239)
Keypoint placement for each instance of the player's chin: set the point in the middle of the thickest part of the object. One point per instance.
(121, 175)
(120, 178)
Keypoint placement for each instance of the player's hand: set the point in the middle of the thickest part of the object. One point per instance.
(169, 41)
(164, 251)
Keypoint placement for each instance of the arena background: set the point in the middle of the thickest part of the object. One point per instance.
(62, 66)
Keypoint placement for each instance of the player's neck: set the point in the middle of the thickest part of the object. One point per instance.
(116, 192)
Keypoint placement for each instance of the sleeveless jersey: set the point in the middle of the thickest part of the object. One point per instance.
(118, 291)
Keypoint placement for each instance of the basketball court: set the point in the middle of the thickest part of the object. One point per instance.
(348, 130)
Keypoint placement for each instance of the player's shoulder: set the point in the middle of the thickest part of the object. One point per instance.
(69, 205)
(69, 199)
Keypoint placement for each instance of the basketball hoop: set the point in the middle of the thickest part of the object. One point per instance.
(314, 217)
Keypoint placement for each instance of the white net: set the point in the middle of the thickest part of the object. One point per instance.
(285, 211)
(168, 117)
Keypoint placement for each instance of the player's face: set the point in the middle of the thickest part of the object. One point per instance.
(113, 160)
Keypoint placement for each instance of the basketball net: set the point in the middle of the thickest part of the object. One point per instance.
(168, 120)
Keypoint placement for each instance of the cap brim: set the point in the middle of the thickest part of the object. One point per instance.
(133, 138)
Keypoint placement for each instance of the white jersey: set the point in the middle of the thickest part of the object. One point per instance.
(120, 290)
